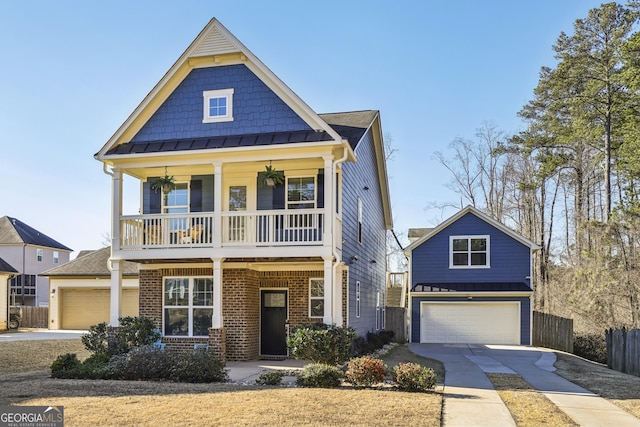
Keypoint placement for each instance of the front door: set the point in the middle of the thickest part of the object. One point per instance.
(273, 319)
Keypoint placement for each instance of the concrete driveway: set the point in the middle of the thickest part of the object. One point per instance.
(471, 400)
(39, 334)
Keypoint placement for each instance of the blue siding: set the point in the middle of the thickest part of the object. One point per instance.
(509, 259)
(525, 311)
(256, 108)
(355, 176)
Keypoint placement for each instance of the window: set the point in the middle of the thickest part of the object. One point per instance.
(301, 192)
(188, 306)
(378, 310)
(469, 252)
(56, 257)
(357, 299)
(218, 106)
(39, 254)
(23, 284)
(359, 220)
(316, 297)
(177, 201)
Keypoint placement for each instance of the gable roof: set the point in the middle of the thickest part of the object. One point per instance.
(5, 267)
(486, 218)
(16, 232)
(94, 263)
(215, 45)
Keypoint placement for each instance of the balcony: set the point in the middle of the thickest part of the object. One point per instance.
(273, 228)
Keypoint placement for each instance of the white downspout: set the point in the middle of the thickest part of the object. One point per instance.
(334, 181)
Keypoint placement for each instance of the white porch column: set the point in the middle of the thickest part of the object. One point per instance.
(337, 297)
(116, 207)
(329, 212)
(115, 307)
(217, 202)
(216, 321)
(328, 291)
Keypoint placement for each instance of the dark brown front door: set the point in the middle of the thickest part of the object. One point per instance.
(273, 318)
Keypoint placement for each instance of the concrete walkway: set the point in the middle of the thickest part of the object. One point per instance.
(39, 334)
(248, 372)
(470, 399)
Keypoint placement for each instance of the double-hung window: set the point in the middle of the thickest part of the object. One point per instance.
(39, 255)
(218, 106)
(301, 194)
(316, 297)
(469, 252)
(56, 257)
(188, 306)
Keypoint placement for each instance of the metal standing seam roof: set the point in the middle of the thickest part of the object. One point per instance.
(16, 232)
(94, 263)
(472, 287)
(5, 267)
(350, 125)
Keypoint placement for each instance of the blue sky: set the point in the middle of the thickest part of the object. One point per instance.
(72, 72)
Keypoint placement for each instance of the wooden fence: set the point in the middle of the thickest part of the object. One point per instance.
(552, 332)
(623, 350)
(396, 320)
(34, 317)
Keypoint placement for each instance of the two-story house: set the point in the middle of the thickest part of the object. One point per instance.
(470, 282)
(30, 252)
(228, 257)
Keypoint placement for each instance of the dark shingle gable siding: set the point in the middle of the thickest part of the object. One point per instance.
(256, 109)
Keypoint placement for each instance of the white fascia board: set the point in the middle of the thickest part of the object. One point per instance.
(482, 216)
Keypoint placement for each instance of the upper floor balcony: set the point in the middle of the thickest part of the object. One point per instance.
(230, 212)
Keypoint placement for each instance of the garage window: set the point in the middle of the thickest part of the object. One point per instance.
(188, 306)
(469, 252)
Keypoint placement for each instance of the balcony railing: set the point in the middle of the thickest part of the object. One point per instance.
(237, 229)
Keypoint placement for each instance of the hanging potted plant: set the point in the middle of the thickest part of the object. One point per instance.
(272, 177)
(165, 183)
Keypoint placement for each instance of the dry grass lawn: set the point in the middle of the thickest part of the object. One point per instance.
(126, 403)
(528, 406)
(620, 389)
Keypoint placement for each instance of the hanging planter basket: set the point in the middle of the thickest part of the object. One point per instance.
(272, 177)
(164, 184)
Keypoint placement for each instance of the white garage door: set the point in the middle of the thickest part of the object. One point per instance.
(81, 308)
(470, 322)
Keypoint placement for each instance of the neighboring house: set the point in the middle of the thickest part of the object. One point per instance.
(471, 282)
(30, 252)
(79, 291)
(225, 258)
(6, 271)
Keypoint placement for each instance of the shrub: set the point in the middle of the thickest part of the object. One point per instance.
(591, 346)
(386, 336)
(320, 343)
(133, 332)
(375, 340)
(413, 377)
(320, 375)
(66, 366)
(95, 367)
(198, 367)
(143, 363)
(361, 347)
(365, 371)
(270, 378)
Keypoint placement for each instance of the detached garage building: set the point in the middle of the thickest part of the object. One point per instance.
(470, 282)
(80, 291)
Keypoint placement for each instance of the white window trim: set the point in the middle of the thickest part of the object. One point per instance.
(39, 255)
(377, 309)
(219, 93)
(315, 191)
(469, 266)
(56, 257)
(316, 298)
(190, 307)
(357, 299)
(188, 205)
(359, 222)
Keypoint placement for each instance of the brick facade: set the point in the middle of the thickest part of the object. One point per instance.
(239, 340)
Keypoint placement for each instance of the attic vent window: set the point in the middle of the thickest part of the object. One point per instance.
(218, 106)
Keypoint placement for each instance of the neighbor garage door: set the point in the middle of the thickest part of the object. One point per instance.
(470, 322)
(81, 308)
